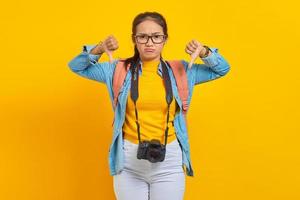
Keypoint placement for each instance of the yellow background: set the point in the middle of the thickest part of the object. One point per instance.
(56, 126)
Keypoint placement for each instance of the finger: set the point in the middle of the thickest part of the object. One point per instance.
(188, 51)
(112, 38)
(193, 58)
(109, 42)
(108, 39)
(198, 43)
(190, 48)
(194, 44)
(112, 47)
(105, 43)
(112, 42)
(109, 53)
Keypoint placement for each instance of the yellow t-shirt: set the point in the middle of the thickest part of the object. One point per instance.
(152, 108)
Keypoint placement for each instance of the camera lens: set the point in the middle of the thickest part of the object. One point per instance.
(153, 155)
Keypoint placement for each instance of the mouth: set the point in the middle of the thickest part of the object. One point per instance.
(149, 50)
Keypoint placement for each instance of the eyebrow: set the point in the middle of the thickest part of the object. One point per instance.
(146, 33)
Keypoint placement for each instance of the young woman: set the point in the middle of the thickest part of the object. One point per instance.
(140, 123)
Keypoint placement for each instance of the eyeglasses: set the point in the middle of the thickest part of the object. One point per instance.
(143, 38)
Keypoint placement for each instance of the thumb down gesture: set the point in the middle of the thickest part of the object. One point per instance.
(195, 49)
(109, 45)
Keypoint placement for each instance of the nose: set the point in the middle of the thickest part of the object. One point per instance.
(149, 40)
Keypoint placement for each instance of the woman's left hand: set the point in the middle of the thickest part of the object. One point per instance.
(195, 49)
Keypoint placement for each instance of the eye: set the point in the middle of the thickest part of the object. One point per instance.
(142, 36)
(159, 36)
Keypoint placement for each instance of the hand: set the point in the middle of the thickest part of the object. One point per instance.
(109, 45)
(195, 49)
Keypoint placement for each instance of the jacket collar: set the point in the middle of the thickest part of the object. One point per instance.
(159, 69)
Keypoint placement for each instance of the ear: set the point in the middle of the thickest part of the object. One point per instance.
(166, 40)
(133, 39)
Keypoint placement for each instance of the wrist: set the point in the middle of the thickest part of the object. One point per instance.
(98, 49)
(101, 48)
(206, 51)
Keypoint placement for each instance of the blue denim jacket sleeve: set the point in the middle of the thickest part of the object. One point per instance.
(214, 67)
(86, 65)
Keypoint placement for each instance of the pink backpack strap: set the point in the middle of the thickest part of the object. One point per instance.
(179, 74)
(181, 82)
(118, 78)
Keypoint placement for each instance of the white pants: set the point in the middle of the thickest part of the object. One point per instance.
(143, 180)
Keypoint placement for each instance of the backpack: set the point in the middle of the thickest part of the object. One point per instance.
(179, 74)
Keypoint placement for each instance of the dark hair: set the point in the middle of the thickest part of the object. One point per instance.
(154, 16)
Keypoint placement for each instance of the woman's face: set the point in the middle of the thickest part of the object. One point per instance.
(149, 51)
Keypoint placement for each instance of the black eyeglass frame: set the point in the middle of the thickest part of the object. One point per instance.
(150, 36)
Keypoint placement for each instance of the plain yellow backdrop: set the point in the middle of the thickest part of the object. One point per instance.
(56, 126)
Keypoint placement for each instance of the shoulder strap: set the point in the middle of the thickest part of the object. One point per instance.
(181, 82)
(118, 78)
(179, 74)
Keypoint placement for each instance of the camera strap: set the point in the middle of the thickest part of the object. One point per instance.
(135, 94)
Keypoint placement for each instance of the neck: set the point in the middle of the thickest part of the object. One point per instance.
(157, 59)
(150, 65)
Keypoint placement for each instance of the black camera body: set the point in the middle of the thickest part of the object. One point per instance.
(152, 150)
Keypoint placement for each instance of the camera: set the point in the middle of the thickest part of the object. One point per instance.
(152, 150)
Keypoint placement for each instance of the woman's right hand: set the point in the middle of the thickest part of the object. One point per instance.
(109, 45)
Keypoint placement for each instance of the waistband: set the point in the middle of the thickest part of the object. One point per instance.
(173, 143)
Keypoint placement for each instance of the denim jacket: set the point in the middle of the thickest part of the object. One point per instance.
(86, 65)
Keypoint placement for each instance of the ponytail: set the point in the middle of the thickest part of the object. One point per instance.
(134, 58)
